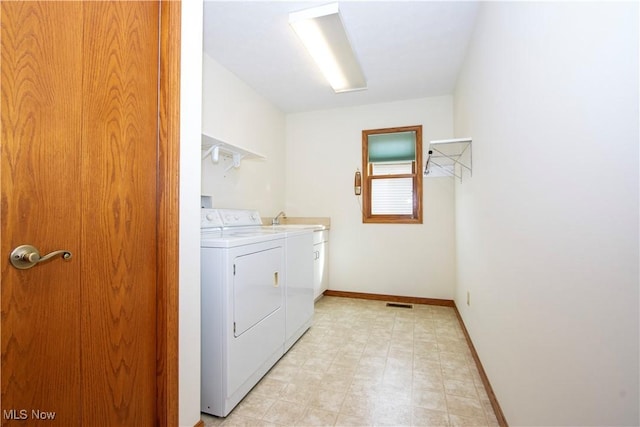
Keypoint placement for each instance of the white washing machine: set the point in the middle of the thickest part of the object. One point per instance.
(243, 305)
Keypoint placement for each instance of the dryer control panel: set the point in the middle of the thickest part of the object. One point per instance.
(210, 218)
(239, 217)
(228, 218)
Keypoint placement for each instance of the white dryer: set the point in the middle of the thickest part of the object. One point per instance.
(243, 305)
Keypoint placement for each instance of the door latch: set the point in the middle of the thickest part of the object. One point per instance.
(27, 256)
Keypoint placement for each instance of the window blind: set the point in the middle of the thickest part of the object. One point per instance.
(391, 168)
(392, 147)
(392, 196)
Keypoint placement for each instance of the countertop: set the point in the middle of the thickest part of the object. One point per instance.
(325, 222)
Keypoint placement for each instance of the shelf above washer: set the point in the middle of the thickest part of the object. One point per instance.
(449, 157)
(214, 147)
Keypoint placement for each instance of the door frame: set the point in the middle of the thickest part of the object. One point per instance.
(168, 207)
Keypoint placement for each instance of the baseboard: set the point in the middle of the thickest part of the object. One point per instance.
(483, 375)
(391, 298)
(441, 302)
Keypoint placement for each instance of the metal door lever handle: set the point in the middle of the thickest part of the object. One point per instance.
(26, 256)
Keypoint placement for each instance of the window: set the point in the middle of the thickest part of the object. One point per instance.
(392, 178)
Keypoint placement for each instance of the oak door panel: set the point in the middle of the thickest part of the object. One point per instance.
(79, 172)
(41, 133)
(120, 122)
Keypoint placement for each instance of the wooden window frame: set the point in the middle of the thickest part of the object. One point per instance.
(367, 178)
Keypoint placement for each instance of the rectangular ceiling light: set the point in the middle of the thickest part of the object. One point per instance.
(322, 33)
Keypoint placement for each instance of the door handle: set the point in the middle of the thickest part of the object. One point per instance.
(26, 256)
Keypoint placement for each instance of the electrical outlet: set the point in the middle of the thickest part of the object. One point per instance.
(468, 298)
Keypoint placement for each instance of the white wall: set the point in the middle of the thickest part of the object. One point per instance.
(324, 149)
(547, 228)
(189, 293)
(235, 113)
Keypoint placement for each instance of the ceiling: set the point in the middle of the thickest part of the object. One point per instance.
(407, 49)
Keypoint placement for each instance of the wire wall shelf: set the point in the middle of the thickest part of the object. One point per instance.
(214, 147)
(449, 157)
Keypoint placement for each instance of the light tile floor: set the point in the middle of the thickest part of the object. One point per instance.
(364, 364)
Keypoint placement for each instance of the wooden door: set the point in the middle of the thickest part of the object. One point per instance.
(82, 170)
(40, 171)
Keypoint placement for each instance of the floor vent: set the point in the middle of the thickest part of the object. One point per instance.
(398, 305)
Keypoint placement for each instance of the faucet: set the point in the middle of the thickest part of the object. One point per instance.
(276, 220)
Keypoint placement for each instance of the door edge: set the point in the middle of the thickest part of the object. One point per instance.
(168, 206)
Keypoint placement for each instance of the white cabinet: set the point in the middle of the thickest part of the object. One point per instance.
(320, 262)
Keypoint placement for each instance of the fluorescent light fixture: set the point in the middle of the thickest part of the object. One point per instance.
(323, 34)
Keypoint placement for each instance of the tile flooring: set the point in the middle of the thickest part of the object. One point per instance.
(364, 364)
